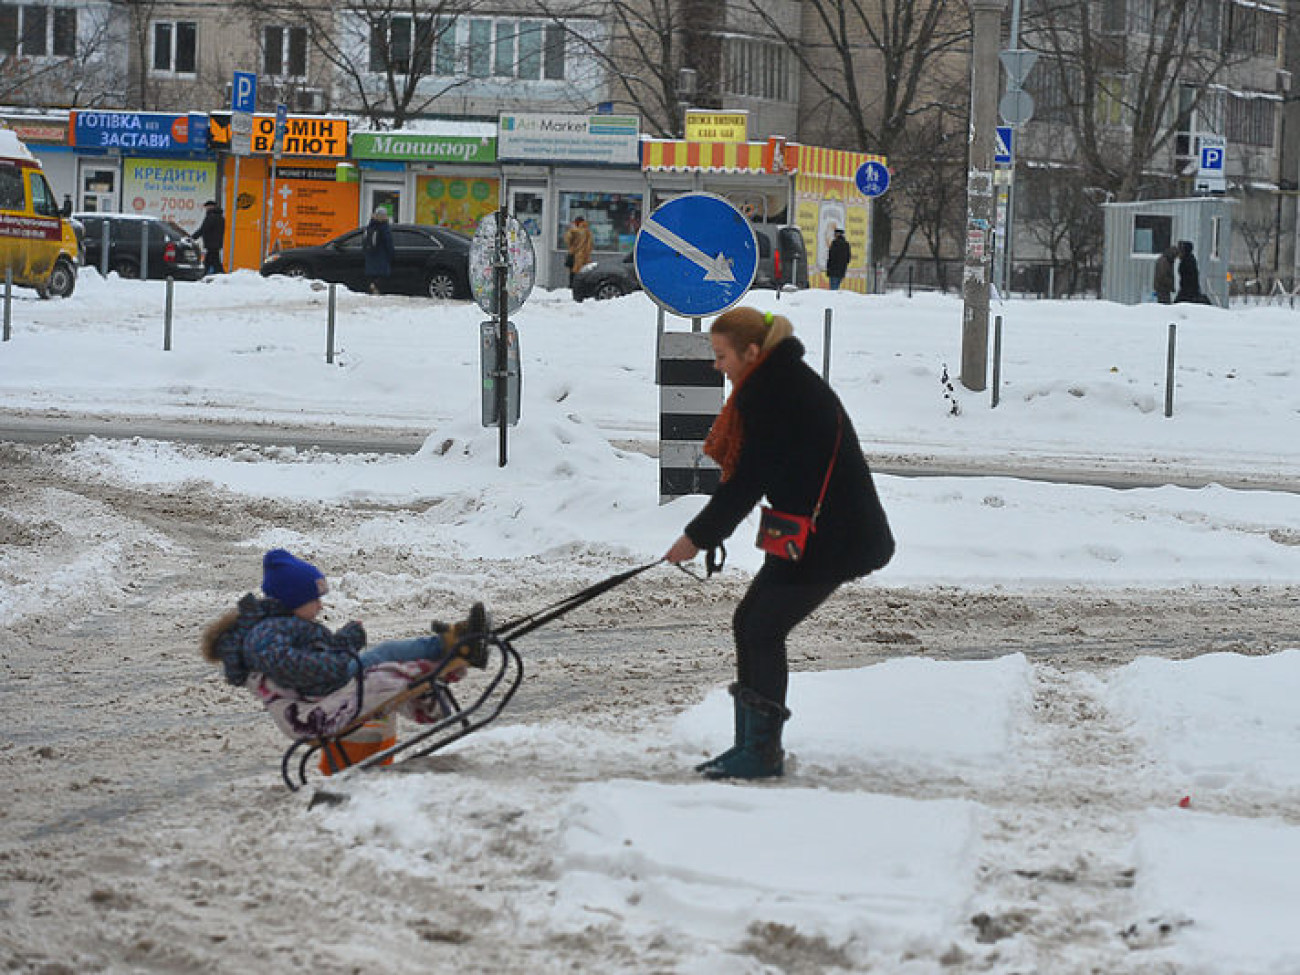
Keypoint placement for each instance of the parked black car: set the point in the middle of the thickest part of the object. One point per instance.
(172, 254)
(431, 261)
(782, 260)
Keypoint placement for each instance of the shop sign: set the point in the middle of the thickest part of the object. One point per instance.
(308, 135)
(50, 132)
(171, 190)
(716, 126)
(142, 132)
(304, 135)
(422, 147)
(608, 139)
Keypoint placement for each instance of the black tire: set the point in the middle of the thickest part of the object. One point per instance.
(609, 288)
(441, 283)
(62, 282)
(127, 267)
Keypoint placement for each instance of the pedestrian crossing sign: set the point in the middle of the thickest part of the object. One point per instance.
(1002, 145)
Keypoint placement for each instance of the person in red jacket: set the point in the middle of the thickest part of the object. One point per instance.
(782, 433)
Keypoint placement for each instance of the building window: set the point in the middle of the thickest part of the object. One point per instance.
(757, 69)
(486, 47)
(1152, 233)
(1250, 121)
(1252, 30)
(404, 45)
(614, 218)
(284, 52)
(480, 48)
(175, 47)
(37, 31)
(1110, 100)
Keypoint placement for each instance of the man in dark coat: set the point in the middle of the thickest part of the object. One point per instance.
(378, 248)
(1163, 283)
(837, 259)
(1189, 276)
(212, 231)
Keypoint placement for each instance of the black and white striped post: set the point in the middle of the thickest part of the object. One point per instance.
(690, 397)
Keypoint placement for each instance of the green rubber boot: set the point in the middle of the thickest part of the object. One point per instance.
(705, 767)
(759, 755)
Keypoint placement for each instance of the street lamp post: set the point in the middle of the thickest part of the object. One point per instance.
(980, 213)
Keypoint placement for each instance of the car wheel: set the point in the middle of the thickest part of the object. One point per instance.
(608, 289)
(295, 271)
(441, 284)
(126, 268)
(63, 279)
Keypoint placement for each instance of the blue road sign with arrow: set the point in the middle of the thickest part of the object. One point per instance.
(696, 255)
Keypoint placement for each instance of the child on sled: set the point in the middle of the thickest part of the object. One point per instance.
(315, 682)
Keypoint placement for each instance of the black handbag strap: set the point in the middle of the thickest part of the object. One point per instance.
(826, 481)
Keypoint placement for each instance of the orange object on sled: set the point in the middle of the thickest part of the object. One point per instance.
(372, 737)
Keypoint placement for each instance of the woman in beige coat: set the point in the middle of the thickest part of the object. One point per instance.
(577, 240)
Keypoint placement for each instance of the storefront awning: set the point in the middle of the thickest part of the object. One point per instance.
(679, 156)
(838, 163)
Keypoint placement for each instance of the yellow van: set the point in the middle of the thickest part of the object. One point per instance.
(37, 244)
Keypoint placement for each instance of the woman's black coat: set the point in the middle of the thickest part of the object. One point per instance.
(789, 416)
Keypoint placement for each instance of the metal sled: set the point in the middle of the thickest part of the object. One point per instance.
(505, 672)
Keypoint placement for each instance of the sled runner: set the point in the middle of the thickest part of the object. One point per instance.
(419, 691)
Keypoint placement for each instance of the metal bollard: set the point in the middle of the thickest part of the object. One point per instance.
(9, 298)
(997, 358)
(1169, 371)
(826, 347)
(329, 331)
(103, 250)
(167, 317)
(144, 252)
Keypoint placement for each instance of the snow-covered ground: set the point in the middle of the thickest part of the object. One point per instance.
(1139, 817)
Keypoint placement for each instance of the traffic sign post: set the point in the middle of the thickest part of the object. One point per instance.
(277, 150)
(243, 102)
(1211, 165)
(696, 255)
(872, 180)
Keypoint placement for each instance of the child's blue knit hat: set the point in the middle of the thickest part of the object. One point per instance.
(292, 581)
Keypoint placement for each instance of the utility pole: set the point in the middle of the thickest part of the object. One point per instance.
(980, 214)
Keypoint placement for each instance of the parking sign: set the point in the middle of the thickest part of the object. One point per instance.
(243, 92)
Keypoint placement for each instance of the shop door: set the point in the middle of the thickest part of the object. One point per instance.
(528, 206)
(97, 185)
(386, 195)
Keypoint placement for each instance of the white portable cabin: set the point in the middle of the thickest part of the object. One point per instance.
(1137, 233)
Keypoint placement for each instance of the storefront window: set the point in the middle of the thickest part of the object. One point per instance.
(614, 218)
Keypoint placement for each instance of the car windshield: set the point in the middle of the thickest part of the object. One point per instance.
(175, 229)
(349, 241)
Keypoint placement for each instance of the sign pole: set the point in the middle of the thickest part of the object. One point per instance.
(500, 265)
(234, 217)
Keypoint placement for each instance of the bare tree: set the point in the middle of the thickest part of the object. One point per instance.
(933, 196)
(875, 71)
(642, 52)
(1126, 78)
(1064, 220)
(389, 59)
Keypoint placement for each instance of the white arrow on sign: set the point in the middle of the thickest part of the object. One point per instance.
(715, 268)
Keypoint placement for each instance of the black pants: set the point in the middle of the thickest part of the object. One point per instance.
(762, 621)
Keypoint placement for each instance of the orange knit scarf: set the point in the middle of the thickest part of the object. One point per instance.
(727, 435)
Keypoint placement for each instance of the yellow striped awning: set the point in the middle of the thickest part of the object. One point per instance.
(839, 163)
(677, 155)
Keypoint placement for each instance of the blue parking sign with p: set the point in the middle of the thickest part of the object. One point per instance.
(1211, 158)
(243, 92)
